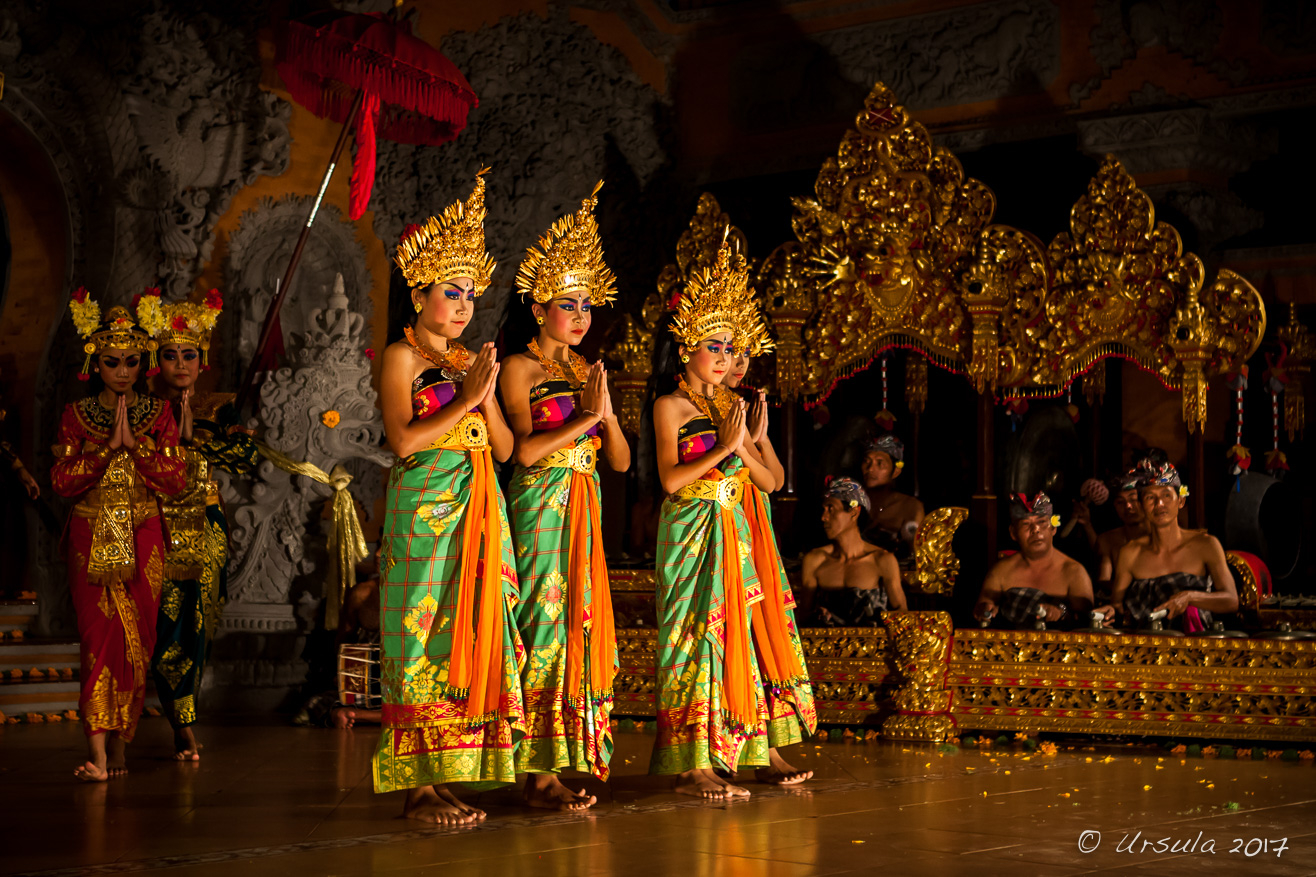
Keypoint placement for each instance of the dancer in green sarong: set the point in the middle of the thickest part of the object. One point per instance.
(711, 712)
(451, 657)
(561, 415)
(786, 688)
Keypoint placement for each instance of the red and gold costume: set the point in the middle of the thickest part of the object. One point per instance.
(115, 539)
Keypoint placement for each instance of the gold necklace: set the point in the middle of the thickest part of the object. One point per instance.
(555, 369)
(701, 402)
(453, 360)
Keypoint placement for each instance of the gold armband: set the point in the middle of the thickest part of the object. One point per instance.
(63, 450)
(175, 453)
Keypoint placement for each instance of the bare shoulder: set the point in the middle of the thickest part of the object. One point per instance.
(1206, 543)
(818, 555)
(1004, 566)
(876, 553)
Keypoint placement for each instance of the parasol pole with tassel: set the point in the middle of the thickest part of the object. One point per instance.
(272, 315)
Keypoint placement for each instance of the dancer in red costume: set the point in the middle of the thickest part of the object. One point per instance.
(117, 448)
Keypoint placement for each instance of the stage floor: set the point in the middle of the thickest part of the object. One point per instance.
(281, 801)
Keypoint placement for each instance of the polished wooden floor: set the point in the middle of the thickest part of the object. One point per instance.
(290, 801)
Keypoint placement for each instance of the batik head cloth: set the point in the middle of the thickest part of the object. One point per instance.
(891, 446)
(1160, 475)
(850, 492)
(1038, 507)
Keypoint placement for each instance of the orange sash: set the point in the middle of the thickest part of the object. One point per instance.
(587, 525)
(780, 662)
(477, 662)
(739, 697)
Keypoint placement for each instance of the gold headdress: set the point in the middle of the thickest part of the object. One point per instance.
(117, 331)
(449, 245)
(751, 335)
(716, 300)
(569, 258)
(181, 322)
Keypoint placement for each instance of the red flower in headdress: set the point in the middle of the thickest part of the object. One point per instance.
(214, 300)
(406, 232)
(179, 323)
(80, 294)
(675, 301)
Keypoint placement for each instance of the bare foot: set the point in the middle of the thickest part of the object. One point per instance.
(732, 791)
(446, 794)
(185, 746)
(546, 790)
(701, 783)
(115, 761)
(343, 718)
(91, 772)
(425, 805)
(779, 773)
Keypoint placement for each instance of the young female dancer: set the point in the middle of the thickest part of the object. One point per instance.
(561, 415)
(711, 713)
(117, 448)
(451, 657)
(786, 689)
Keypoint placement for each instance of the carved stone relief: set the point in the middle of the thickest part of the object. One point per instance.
(962, 55)
(258, 257)
(558, 110)
(277, 538)
(1192, 28)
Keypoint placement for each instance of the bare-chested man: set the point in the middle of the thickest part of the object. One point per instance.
(1124, 499)
(1038, 581)
(850, 581)
(894, 517)
(1181, 571)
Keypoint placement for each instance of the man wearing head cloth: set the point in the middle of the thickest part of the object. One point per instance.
(1038, 582)
(895, 517)
(1124, 499)
(1183, 572)
(849, 581)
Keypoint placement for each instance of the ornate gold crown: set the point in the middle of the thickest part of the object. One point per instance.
(569, 259)
(751, 335)
(716, 300)
(117, 331)
(449, 245)
(181, 322)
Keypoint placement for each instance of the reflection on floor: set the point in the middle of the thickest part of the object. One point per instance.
(285, 801)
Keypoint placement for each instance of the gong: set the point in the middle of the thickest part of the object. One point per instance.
(1046, 454)
(1264, 516)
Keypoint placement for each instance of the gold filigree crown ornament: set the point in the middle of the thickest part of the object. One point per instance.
(751, 337)
(117, 330)
(715, 300)
(449, 245)
(569, 259)
(181, 322)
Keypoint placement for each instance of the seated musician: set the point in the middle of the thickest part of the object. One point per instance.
(358, 623)
(1124, 499)
(1183, 572)
(850, 581)
(895, 517)
(1038, 582)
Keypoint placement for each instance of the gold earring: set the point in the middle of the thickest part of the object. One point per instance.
(418, 306)
(539, 320)
(685, 357)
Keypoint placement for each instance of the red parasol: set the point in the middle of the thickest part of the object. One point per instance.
(368, 72)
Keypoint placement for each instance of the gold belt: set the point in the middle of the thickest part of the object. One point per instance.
(470, 434)
(580, 457)
(725, 492)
